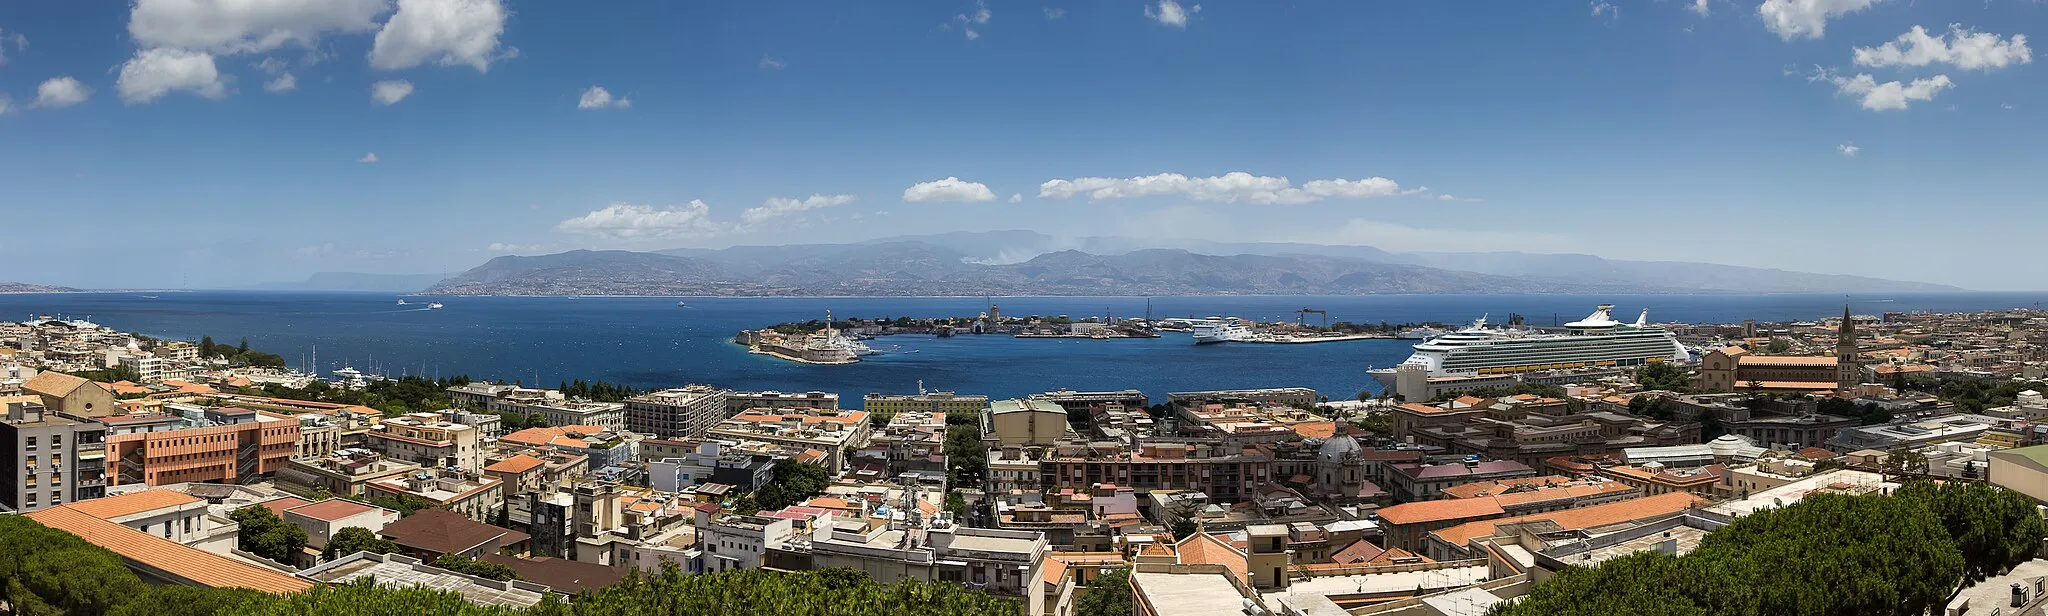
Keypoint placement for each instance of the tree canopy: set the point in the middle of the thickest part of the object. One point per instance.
(795, 482)
(1664, 375)
(1829, 554)
(480, 568)
(264, 534)
(356, 539)
(1108, 595)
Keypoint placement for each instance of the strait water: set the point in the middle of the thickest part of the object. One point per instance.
(652, 342)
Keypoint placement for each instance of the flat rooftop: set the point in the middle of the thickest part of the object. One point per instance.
(1373, 583)
(1194, 594)
(400, 575)
(1996, 593)
(993, 544)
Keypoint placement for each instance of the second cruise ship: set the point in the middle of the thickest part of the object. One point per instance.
(1597, 340)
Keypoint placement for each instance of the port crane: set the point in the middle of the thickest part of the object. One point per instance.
(1301, 316)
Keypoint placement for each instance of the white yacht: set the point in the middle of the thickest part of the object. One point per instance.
(401, 301)
(434, 306)
(1597, 340)
(1219, 329)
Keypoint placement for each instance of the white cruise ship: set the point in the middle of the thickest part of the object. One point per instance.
(1597, 340)
(1229, 329)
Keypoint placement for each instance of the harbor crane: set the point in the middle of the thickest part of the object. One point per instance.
(1301, 316)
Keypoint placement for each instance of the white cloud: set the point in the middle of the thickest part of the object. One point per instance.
(1054, 13)
(630, 222)
(445, 32)
(20, 43)
(777, 207)
(949, 190)
(1016, 197)
(1791, 19)
(61, 92)
(1233, 187)
(1446, 197)
(283, 83)
(596, 97)
(1961, 47)
(152, 73)
(772, 63)
(272, 65)
(1848, 149)
(508, 247)
(1170, 13)
(2005, 105)
(390, 91)
(240, 26)
(1698, 7)
(1612, 12)
(1884, 96)
(979, 16)
(971, 34)
(369, 158)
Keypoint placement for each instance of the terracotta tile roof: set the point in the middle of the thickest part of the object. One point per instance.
(331, 509)
(1156, 549)
(1207, 549)
(829, 502)
(1316, 429)
(1787, 360)
(546, 436)
(1476, 488)
(1441, 510)
(1581, 518)
(445, 532)
(1056, 563)
(1358, 552)
(280, 505)
(516, 464)
(142, 549)
(52, 383)
(132, 503)
(1816, 454)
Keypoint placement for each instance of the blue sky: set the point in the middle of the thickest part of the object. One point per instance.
(155, 144)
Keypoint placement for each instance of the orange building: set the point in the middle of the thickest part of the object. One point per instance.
(224, 445)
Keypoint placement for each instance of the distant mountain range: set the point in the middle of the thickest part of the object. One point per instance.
(23, 287)
(1028, 263)
(353, 281)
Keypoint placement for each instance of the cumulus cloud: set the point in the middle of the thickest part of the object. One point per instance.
(368, 158)
(599, 98)
(61, 92)
(1016, 197)
(979, 16)
(1170, 13)
(241, 27)
(777, 207)
(1233, 187)
(1698, 7)
(283, 83)
(152, 73)
(1960, 47)
(390, 91)
(1884, 96)
(1848, 149)
(1792, 19)
(949, 190)
(630, 222)
(444, 32)
(272, 65)
(1603, 8)
(772, 63)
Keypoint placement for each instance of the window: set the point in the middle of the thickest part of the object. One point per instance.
(56, 440)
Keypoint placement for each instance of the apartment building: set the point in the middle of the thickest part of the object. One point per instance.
(1226, 474)
(947, 402)
(1024, 422)
(476, 497)
(828, 432)
(427, 440)
(600, 447)
(60, 459)
(748, 400)
(682, 412)
(198, 444)
(346, 472)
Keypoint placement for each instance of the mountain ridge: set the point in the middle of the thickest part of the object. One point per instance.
(966, 264)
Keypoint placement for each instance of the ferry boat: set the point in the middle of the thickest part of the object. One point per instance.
(1218, 329)
(1597, 340)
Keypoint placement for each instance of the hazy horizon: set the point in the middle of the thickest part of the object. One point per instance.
(165, 144)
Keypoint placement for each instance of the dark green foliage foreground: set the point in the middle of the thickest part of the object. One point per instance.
(44, 571)
(1828, 554)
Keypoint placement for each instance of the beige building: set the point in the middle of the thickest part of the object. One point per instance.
(2023, 470)
(1025, 422)
(70, 395)
(425, 439)
(936, 402)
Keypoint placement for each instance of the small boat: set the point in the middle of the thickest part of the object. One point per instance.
(434, 306)
(682, 304)
(401, 301)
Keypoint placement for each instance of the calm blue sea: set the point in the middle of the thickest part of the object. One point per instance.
(651, 342)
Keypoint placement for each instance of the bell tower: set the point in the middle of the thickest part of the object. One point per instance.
(1848, 373)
